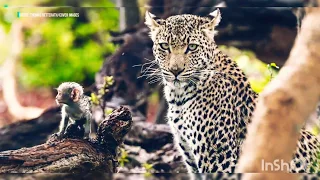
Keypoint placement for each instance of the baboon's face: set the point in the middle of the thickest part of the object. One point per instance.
(64, 96)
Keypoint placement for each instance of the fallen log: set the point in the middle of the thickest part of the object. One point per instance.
(73, 155)
(149, 136)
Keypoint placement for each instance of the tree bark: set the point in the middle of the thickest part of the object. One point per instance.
(285, 103)
(73, 155)
(66, 156)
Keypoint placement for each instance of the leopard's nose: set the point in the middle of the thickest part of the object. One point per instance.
(176, 71)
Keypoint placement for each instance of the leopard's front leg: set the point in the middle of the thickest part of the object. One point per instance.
(187, 157)
(184, 150)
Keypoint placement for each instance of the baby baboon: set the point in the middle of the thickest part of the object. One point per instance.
(75, 111)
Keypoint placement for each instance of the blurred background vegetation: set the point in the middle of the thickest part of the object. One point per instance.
(56, 50)
(73, 49)
(258, 72)
(62, 49)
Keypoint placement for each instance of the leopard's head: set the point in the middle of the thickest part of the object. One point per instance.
(183, 45)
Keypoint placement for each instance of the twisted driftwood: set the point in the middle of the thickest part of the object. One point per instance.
(72, 155)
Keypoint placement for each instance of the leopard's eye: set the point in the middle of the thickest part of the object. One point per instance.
(192, 47)
(164, 46)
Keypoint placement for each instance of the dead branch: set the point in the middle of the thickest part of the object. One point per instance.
(72, 155)
(285, 104)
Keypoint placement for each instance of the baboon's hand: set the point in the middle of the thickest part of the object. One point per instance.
(57, 136)
(54, 137)
(93, 137)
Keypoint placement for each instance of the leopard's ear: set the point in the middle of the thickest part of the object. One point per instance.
(152, 24)
(150, 20)
(209, 27)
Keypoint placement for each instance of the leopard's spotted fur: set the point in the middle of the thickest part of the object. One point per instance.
(210, 99)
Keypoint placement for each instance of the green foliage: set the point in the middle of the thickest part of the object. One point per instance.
(108, 111)
(123, 159)
(98, 99)
(258, 72)
(4, 19)
(68, 49)
(4, 29)
(315, 130)
(148, 167)
(108, 80)
(94, 99)
(271, 67)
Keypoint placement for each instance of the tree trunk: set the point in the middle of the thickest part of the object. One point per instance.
(129, 13)
(285, 103)
(9, 82)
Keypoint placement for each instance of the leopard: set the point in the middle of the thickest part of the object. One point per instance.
(210, 100)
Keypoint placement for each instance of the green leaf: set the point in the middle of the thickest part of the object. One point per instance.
(94, 99)
(274, 65)
(108, 111)
(315, 130)
(108, 80)
(123, 159)
(147, 166)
